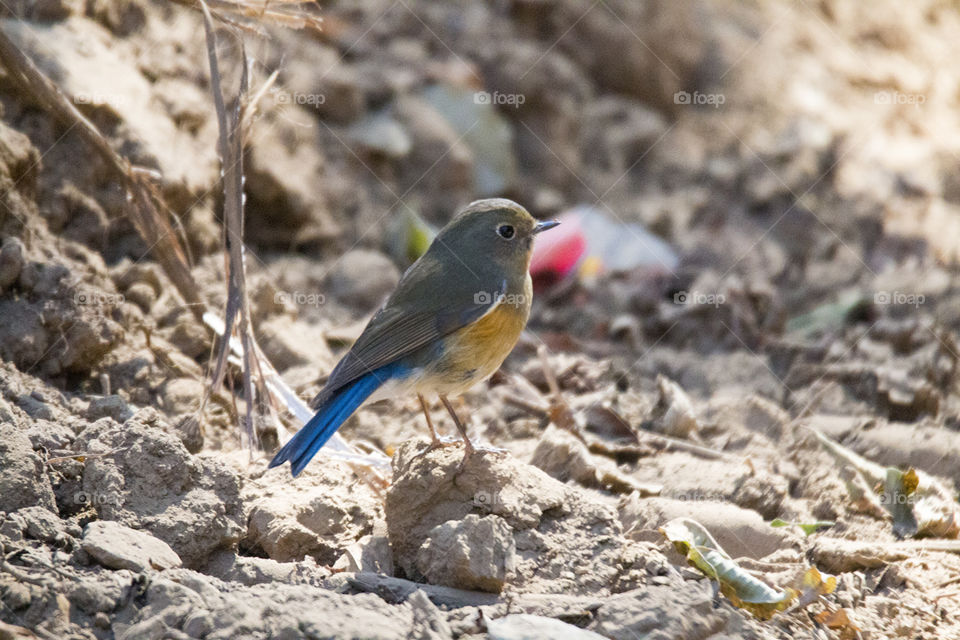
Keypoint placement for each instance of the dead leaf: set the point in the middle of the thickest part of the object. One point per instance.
(838, 620)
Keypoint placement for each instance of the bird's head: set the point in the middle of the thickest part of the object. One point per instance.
(495, 229)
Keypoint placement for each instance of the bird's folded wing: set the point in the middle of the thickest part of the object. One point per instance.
(395, 332)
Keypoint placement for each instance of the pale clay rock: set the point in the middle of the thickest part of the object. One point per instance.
(118, 547)
(473, 553)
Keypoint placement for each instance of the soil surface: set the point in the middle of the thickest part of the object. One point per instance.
(797, 159)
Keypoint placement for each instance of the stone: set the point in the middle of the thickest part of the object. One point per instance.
(23, 482)
(118, 547)
(112, 406)
(182, 395)
(473, 553)
(524, 626)
(11, 262)
(151, 482)
(363, 278)
(316, 515)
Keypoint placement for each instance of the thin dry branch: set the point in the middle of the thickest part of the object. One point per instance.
(238, 305)
(285, 13)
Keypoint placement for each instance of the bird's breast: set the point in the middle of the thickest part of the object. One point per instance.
(475, 351)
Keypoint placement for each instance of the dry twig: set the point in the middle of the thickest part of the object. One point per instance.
(285, 13)
(231, 160)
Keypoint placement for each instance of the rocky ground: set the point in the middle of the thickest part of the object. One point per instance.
(800, 159)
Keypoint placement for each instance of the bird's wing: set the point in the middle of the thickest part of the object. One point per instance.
(422, 310)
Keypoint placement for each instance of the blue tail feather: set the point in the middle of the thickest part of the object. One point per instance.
(334, 412)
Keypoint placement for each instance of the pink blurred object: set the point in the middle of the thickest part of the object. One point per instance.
(588, 242)
(561, 253)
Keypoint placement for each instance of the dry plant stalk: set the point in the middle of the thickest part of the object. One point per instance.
(285, 13)
(257, 370)
(237, 312)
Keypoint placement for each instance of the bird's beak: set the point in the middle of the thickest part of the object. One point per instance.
(543, 226)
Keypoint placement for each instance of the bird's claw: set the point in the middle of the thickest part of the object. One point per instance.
(474, 450)
(440, 442)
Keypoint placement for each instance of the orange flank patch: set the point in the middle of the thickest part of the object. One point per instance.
(482, 347)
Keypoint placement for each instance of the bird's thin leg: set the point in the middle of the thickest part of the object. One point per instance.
(435, 441)
(426, 414)
(468, 446)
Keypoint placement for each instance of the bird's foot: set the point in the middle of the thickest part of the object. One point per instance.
(439, 442)
(488, 448)
(471, 450)
(468, 453)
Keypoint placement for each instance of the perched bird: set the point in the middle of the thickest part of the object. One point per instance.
(451, 322)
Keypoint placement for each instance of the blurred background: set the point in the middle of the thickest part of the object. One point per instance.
(761, 203)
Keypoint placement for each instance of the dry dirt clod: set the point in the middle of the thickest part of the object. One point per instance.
(741, 532)
(315, 514)
(118, 547)
(524, 626)
(23, 481)
(152, 482)
(565, 457)
(426, 493)
(11, 262)
(473, 553)
(430, 509)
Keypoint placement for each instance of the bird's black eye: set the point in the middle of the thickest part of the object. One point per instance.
(505, 231)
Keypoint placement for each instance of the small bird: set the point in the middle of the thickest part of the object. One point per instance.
(451, 322)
